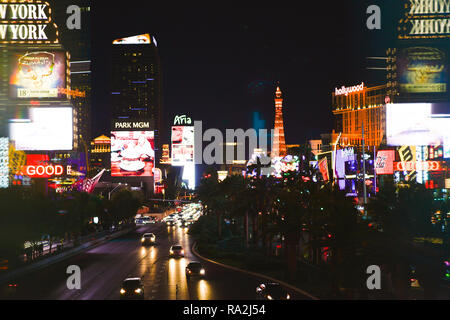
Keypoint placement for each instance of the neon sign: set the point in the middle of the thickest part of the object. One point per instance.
(27, 22)
(43, 171)
(180, 120)
(346, 90)
(417, 166)
(425, 19)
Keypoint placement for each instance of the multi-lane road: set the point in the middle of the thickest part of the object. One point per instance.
(104, 267)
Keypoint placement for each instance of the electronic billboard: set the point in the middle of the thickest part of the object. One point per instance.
(182, 145)
(37, 74)
(414, 124)
(132, 153)
(46, 129)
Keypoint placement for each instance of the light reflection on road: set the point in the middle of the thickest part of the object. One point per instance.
(177, 279)
(203, 290)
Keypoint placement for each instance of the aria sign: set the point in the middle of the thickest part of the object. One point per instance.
(27, 22)
(425, 19)
(182, 120)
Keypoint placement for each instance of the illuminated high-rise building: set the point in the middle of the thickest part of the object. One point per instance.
(136, 83)
(362, 105)
(279, 143)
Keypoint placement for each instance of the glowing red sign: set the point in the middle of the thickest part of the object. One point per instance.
(384, 163)
(39, 166)
(43, 171)
(417, 166)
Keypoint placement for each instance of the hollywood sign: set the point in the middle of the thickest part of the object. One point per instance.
(346, 90)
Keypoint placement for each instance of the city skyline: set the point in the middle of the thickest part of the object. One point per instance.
(229, 152)
(233, 62)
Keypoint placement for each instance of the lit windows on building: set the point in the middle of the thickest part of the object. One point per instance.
(353, 109)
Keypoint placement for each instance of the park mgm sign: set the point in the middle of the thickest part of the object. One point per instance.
(25, 22)
(425, 19)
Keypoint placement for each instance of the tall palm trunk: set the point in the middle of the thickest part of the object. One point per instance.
(219, 224)
(255, 230)
(401, 281)
(246, 229)
(291, 252)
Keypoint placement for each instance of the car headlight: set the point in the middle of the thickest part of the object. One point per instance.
(182, 251)
(202, 271)
(171, 251)
(142, 240)
(138, 290)
(122, 291)
(269, 297)
(288, 296)
(189, 271)
(153, 239)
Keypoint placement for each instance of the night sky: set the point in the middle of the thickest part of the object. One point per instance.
(221, 61)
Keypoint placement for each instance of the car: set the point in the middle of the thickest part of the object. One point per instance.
(170, 223)
(132, 288)
(272, 291)
(176, 251)
(184, 224)
(195, 269)
(148, 238)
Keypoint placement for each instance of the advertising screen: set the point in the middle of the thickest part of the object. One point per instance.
(384, 164)
(414, 124)
(37, 74)
(342, 156)
(285, 164)
(132, 153)
(182, 145)
(47, 129)
(323, 168)
(422, 70)
(4, 162)
(139, 39)
(447, 147)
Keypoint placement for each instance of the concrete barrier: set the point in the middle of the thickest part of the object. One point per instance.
(21, 271)
(287, 285)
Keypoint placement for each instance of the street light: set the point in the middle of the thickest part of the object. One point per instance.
(109, 193)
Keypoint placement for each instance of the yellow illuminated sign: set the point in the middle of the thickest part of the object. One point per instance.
(425, 19)
(27, 22)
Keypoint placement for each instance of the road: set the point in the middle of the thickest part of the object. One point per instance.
(104, 267)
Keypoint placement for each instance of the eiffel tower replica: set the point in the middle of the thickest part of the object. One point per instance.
(279, 143)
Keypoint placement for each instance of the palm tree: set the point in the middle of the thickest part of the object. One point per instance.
(402, 213)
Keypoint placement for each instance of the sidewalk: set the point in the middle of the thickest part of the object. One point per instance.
(66, 245)
(42, 262)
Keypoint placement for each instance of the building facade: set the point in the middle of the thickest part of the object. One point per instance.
(366, 105)
(136, 83)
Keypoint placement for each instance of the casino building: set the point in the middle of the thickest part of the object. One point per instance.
(362, 106)
(135, 82)
(38, 112)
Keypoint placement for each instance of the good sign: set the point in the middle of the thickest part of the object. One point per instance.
(43, 171)
(24, 21)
